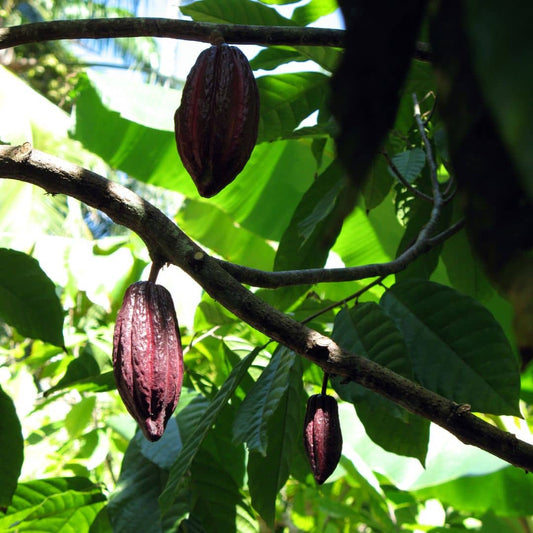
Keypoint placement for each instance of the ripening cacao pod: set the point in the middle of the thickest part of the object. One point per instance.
(147, 356)
(216, 123)
(322, 436)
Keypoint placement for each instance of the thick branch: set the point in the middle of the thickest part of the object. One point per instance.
(171, 28)
(167, 242)
(177, 29)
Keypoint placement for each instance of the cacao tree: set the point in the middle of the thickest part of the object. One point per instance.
(371, 261)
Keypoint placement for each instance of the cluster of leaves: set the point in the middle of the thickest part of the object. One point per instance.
(232, 458)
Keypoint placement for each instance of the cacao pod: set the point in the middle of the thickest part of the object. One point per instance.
(216, 123)
(147, 356)
(322, 436)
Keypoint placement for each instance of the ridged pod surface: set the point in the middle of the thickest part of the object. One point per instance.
(322, 435)
(147, 356)
(217, 121)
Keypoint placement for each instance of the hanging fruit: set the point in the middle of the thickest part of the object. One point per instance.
(216, 124)
(147, 356)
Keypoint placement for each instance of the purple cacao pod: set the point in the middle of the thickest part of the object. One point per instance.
(322, 436)
(147, 356)
(217, 121)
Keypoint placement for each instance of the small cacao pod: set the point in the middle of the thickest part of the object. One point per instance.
(216, 123)
(322, 436)
(147, 356)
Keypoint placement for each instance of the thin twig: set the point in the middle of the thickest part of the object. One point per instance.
(437, 195)
(285, 278)
(344, 301)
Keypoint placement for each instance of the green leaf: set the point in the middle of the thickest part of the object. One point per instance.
(217, 231)
(262, 400)
(217, 475)
(234, 12)
(135, 498)
(85, 372)
(464, 271)
(286, 99)
(127, 95)
(312, 231)
(273, 181)
(54, 504)
(123, 144)
(313, 10)
(315, 223)
(218, 503)
(509, 494)
(456, 346)
(378, 184)
(274, 56)
(367, 331)
(410, 163)
(28, 300)
(492, 35)
(266, 475)
(80, 416)
(195, 439)
(359, 243)
(280, 2)
(12, 446)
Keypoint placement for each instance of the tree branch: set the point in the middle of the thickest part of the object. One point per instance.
(178, 29)
(166, 241)
(285, 278)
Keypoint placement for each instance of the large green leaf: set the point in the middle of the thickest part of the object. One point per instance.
(195, 439)
(274, 56)
(145, 153)
(367, 331)
(253, 416)
(286, 99)
(234, 12)
(131, 104)
(313, 229)
(313, 10)
(378, 184)
(54, 504)
(217, 475)
(509, 494)
(456, 346)
(464, 271)
(12, 446)
(500, 44)
(359, 243)
(266, 475)
(215, 229)
(135, 497)
(28, 300)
